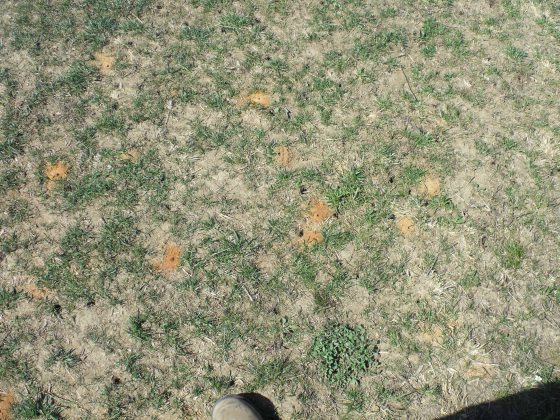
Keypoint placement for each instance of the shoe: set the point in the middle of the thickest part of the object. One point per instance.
(234, 407)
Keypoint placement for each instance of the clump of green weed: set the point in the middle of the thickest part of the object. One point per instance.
(8, 298)
(345, 354)
(516, 53)
(41, 406)
(9, 179)
(68, 358)
(351, 188)
(512, 255)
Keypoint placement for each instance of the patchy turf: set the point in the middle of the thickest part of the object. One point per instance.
(351, 208)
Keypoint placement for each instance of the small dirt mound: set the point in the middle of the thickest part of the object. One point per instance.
(283, 156)
(259, 98)
(171, 258)
(103, 62)
(311, 237)
(37, 293)
(429, 186)
(55, 172)
(131, 155)
(319, 211)
(6, 402)
(406, 226)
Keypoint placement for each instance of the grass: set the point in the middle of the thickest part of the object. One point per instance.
(168, 264)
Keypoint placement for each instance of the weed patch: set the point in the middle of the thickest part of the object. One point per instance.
(345, 354)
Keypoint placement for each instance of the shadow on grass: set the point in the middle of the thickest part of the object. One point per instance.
(262, 404)
(541, 403)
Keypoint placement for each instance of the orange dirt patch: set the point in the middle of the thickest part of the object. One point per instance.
(319, 211)
(171, 258)
(104, 62)
(311, 237)
(406, 226)
(55, 172)
(37, 293)
(259, 98)
(131, 155)
(429, 186)
(283, 156)
(6, 402)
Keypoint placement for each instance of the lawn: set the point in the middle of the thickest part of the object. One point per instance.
(349, 207)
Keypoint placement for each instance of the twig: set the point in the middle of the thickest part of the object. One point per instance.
(408, 83)
(433, 265)
(138, 19)
(248, 294)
